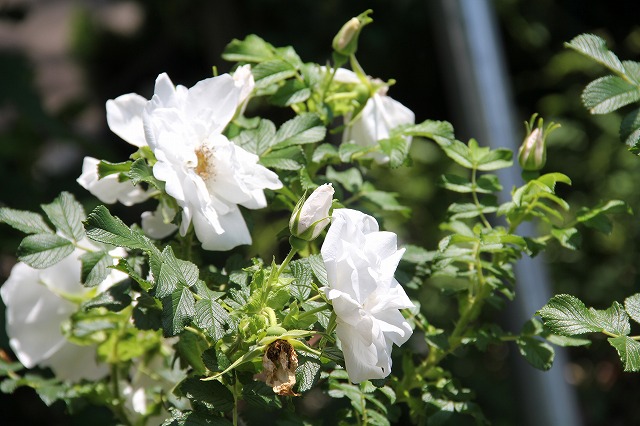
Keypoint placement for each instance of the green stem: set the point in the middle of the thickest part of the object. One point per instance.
(313, 311)
(117, 407)
(286, 261)
(514, 225)
(476, 200)
(473, 309)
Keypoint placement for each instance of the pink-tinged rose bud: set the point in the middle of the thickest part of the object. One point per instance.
(346, 41)
(311, 216)
(532, 154)
(533, 151)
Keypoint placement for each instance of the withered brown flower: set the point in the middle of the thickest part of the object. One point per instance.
(279, 367)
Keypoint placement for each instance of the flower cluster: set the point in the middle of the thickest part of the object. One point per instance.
(160, 324)
(206, 174)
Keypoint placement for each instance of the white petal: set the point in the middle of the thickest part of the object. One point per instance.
(74, 363)
(165, 91)
(362, 360)
(344, 75)
(154, 226)
(235, 231)
(124, 117)
(214, 100)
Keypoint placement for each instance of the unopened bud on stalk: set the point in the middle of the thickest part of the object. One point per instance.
(346, 41)
(532, 154)
(311, 216)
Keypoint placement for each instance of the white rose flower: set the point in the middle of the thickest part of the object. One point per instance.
(360, 262)
(208, 175)
(380, 114)
(37, 304)
(309, 219)
(109, 189)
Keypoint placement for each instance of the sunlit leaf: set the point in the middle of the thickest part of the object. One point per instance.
(67, 215)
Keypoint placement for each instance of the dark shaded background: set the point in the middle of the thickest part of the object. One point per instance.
(60, 60)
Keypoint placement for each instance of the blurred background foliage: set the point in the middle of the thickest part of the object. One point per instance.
(60, 60)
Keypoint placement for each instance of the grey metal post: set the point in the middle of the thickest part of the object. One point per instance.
(471, 51)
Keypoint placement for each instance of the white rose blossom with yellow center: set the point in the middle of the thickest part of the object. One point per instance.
(208, 175)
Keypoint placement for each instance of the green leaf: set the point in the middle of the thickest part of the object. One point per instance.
(614, 320)
(347, 150)
(251, 49)
(291, 92)
(387, 201)
(108, 229)
(25, 221)
(439, 131)
(628, 350)
(495, 159)
(115, 298)
(538, 353)
(303, 129)
(211, 394)
(565, 340)
(566, 315)
(459, 153)
(468, 210)
(397, 148)
(596, 48)
(106, 168)
(630, 131)
(142, 172)
(147, 313)
(307, 373)
(595, 217)
(608, 94)
(303, 275)
(350, 179)
(319, 270)
(94, 267)
(260, 396)
(632, 306)
(551, 179)
(485, 184)
(124, 266)
(43, 250)
(212, 317)
(632, 70)
(324, 151)
(67, 215)
(567, 237)
(178, 310)
(189, 418)
(272, 71)
(290, 158)
(259, 139)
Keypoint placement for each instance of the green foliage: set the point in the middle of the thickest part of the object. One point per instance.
(229, 316)
(612, 92)
(567, 316)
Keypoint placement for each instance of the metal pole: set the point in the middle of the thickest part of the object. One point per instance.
(484, 106)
